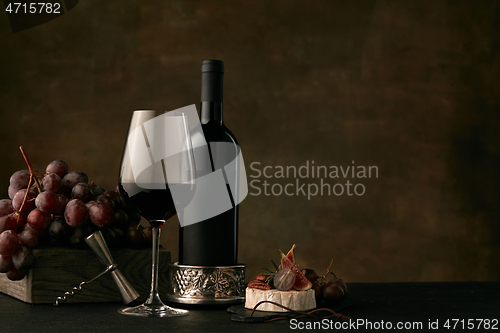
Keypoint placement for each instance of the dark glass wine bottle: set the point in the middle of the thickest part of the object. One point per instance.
(213, 242)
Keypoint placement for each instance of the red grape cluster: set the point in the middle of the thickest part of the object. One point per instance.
(332, 292)
(61, 209)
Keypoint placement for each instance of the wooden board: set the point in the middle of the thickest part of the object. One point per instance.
(58, 270)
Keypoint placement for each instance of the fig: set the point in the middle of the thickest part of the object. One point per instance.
(289, 255)
(301, 282)
(284, 279)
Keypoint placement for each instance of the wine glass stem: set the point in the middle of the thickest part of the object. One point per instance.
(154, 297)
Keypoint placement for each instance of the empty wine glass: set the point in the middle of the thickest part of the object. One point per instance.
(157, 177)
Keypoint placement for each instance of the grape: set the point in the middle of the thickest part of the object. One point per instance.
(91, 203)
(6, 207)
(101, 214)
(284, 279)
(131, 225)
(75, 177)
(5, 263)
(15, 275)
(66, 192)
(62, 202)
(29, 205)
(134, 217)
(9, 242)
(30, 237)
(135, 238)
(52, 183)
(20, 179)
(12, 192)
(119, 236)
(318, 291)
(64, 211)
(148, 234)
(47, 202)
(342, 285)
(76, 213)
(310, 274)
(8, 222)
(333, 293)
(34, 189)
(114, 196)
(58, 167)
(109, 236)
(121, 217)
(39, 220)
(77, 239)
(97, 190)
(106, 199)
(122, 204)
(82, 191)
(23, 259)
(59, 231)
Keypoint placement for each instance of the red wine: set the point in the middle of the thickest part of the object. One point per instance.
(156, 223)
(156, 204)
(213, 242)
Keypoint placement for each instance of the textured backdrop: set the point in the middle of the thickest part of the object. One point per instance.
(412, 87)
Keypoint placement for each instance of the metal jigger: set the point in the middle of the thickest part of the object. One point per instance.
(97, 243)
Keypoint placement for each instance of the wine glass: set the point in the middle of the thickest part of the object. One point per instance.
(157, 178)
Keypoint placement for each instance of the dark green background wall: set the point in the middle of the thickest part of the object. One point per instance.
(412, 87)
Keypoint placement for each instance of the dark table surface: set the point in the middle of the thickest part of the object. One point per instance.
(378, 304)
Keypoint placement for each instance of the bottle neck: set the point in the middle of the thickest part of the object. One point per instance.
(212, 73)
(211, 112)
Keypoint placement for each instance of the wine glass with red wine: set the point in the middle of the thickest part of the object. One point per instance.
(157, 178)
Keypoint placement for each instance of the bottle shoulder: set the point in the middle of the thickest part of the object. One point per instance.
(218, 132)
(230, 134)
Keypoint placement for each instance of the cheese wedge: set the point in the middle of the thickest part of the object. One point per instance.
(293, 299)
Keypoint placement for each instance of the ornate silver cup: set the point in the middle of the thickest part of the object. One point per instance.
(206, 284)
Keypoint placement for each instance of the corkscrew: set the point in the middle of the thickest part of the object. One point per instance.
(97, 243)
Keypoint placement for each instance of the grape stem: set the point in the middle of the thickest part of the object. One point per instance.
(323, 278)
(32, 170)
(328, 270)
(25, 195)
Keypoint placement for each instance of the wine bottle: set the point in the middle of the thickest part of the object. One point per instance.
(214, 241)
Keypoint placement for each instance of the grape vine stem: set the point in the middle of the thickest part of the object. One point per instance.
(32, 170)
(25, 196)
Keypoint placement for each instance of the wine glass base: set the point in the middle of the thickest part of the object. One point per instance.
(145, 310)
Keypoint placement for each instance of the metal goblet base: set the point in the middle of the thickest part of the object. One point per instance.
(206, 284)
